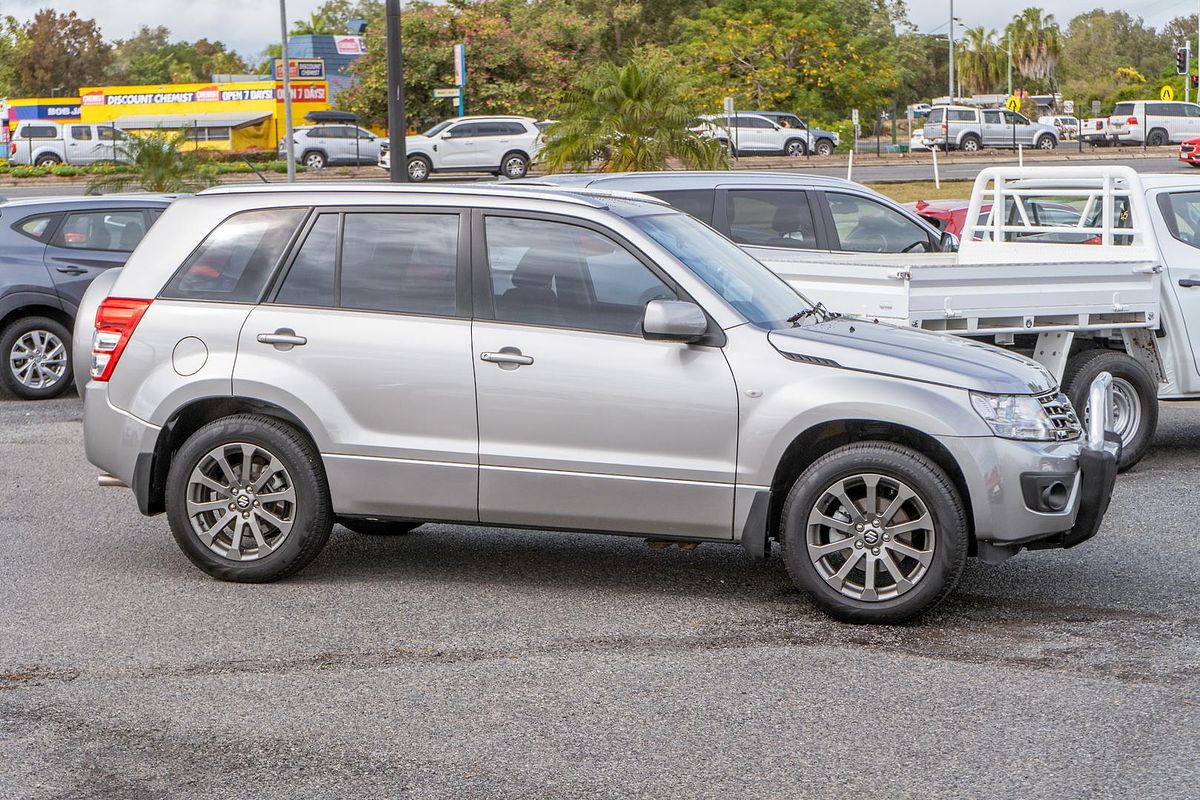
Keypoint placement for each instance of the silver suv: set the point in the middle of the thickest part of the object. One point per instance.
(970, 129)
(275, 360)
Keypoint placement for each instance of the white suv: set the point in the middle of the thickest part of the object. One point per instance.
(1154, 123)
(497, 145)
(747, 134)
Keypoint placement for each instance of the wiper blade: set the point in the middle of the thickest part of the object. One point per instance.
(818, 310)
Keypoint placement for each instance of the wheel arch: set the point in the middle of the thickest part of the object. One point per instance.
(35, 307)
(827, 436)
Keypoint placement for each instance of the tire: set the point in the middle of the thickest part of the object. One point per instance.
(419, 169)
(970, 144)
(1135, 398)
(379, 527)
(795, 148)
(939, 547)
(299, 483)
(514, 166)
(1046, 142)
(314, 160)
(47, 160)
(824, 147)
(1157, 138)
(47, 370)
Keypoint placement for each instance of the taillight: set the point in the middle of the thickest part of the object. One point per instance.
(115, 320)
(1132, 120)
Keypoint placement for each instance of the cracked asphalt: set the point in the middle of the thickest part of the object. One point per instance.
(480, 663)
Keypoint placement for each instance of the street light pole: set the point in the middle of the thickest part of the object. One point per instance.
(952, 51)
(289, 145)
(397, 127)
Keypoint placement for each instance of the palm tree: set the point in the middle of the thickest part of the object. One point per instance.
(1035, 41)
(316, 25)
(978, 60)
(630, 118)
(154, 163)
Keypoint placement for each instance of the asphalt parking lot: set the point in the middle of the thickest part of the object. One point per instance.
(460, 662)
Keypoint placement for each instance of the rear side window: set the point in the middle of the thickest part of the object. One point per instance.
(36, 227)
(1123, 110)
(771, 218)
(81, 133)
(234, 263)
(697, 202)
(406, 263)
(116, 230)
(961, 115)
(38, 132)
(936, 115)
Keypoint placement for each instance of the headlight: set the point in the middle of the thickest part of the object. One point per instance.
(1014, 416)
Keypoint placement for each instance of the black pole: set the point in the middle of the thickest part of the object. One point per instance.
(397, 127)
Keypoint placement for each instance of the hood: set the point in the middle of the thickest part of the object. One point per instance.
(866, 346)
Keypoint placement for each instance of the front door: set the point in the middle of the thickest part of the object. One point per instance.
(82, 145)
(460, 146)
(369, 341)
(1180, 242)
(583, 423)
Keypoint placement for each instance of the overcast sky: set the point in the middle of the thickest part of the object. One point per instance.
(249, 25)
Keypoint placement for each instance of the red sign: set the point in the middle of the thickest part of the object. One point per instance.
(208, 94)
(92, 99)
(350, 45)
(304, 93)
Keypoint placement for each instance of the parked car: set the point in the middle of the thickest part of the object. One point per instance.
(779, 211)
(496, 145)
(230, 389)
(969, 129)
(1067, 125)
(950, 216)
(1154, 123)
(916, 142)
(819, 141)
(1095, 131)
(50, 250)
(753, 134)
(318, 146)
(920, 109)
(44, 144)
(1189, 152)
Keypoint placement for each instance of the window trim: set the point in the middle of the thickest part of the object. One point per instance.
(462, 275)
(481, 280)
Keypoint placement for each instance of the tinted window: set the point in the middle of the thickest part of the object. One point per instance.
(310, 279)
(511, 128)
(1181, 210)
(936, 115)
(110, 134)
(35, 227)
(753, 122)
(992, 117)
(771, 218)
(467, 129)
(319, 133)
(553, 273)
(866, 226)
(1157, 109)
(81, 133)
(38, 132)
(234, 263)
(102, 230)
(1123, 110)
(1190, 110)
(960, 115)
(400, 262)
(697, 202)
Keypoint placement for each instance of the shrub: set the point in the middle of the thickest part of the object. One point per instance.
(64, 171)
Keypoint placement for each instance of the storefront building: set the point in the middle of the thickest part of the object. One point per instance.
(40, 109)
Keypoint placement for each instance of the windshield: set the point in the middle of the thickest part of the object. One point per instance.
(436, 129)
(760, 295)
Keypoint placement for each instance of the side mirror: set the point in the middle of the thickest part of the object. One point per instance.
(674, 321)
(448, 135)
(949, 243)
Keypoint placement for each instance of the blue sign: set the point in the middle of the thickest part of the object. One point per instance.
(66, 111)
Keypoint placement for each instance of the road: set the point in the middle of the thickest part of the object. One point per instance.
(459, 662)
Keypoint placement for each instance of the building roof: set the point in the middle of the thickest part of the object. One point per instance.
(210, 120)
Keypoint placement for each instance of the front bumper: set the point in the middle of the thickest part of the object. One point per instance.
(1190, 156)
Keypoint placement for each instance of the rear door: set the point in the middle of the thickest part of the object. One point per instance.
(777, 217)
(88, 242)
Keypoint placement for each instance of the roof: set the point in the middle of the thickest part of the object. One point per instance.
(85, 201)
(1168, 180)
(687, 179)
(210, 120)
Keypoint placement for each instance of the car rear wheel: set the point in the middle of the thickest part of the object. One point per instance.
(874, 532)
(379, 527)
(1135, 398)
(419, 169)
(514, 166)
(37, 358)
(314, 160)
(970, 144)
(824, 147)
(1157, 138)
(247, 499)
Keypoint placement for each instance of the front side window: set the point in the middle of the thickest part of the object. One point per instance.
(867, 226)
(110, 134)
(102, 230)
(405, 263)
(758, 294)
(567, 276)
(771, 218)
(81, 133)
(235, 261)
(1181, 210)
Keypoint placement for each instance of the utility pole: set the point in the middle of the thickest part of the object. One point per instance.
(1008, 40)
(289, 145)
(397, 125)
(952, 51)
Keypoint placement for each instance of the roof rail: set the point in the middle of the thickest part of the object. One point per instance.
(586, 198)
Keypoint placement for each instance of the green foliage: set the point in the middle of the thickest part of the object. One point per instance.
(980, 64)
(1036, 43)
(149, 57)
(64, 171)
(63, 52)
(629, 118)
(154, 163)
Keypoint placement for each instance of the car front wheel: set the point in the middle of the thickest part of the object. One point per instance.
(247, 499)
(1047, 143)
(515, 166)
(418, 169)
(1134, 398)
(795, 147)
(314, 161)
(874, 532)
(37, 358)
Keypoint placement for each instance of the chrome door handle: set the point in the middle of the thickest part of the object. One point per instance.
(503, 357)
(282, 339)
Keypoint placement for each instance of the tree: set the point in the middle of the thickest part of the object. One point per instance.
(977, 60)
(150, 57)
(154, 163)
(1034, 39)
(633, 117)
(64, 53)
(13, 46)
(315, 25)
(1100, 50)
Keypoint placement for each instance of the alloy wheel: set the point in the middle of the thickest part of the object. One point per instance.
(417, 170)
(871, 537)
(241, 501)
(515, 167)
(38, 359)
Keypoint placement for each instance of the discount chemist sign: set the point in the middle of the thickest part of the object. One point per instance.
(301, 92)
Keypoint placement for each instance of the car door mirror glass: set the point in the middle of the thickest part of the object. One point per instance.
(674, 320)
(949, 243)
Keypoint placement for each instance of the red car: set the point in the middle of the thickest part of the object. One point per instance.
(948, 216)
(1189, 152)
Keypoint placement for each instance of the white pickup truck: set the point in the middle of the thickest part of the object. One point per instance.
(44, 144)
(1071, 274)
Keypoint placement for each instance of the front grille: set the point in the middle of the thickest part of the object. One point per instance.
(1062, 416)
